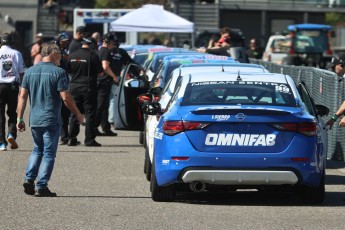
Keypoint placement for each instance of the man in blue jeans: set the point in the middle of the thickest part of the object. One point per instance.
(44, 83)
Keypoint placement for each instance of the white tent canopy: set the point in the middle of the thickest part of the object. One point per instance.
(152, 18)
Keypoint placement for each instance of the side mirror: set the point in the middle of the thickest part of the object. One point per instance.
(322, 110)
(153, 108)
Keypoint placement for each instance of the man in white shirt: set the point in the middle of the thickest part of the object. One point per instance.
(12, 69)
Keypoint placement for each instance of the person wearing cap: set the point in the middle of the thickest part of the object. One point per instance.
(338, 66)
(36, 49)
(12, 70)
(84, 67)
(44, 84)
(120, 59)
(77, 39)
(62, 40)
(104, 86)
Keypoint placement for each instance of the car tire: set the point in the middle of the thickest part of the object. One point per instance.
(141, 137)
(161, 193)
(145, 166)
(144, 139)
(314, 195)
(148, 165)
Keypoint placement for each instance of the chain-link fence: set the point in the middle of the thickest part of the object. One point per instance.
(326, 89)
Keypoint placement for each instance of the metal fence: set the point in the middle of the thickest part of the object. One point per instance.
(326, 89)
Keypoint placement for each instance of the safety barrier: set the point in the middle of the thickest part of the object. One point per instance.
(326, 89)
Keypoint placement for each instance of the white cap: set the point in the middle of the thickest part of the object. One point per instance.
(39, 35)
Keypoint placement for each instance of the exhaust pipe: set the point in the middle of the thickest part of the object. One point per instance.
(197, 186)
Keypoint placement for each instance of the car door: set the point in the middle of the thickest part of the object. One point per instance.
(128, 113)
(311, 107)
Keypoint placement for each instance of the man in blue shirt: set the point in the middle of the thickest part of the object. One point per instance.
(44, 84)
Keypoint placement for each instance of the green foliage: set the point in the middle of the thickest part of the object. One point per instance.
(335, 18)
(126, 4)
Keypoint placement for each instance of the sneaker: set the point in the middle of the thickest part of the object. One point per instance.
(72, 142)
(93, 143)
(44, 192)
(98, 133)
(3, 146)
(29, 187)
(109, 133)
(12, 141)
(63, 142)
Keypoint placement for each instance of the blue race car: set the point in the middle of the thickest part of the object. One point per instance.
(233, 130)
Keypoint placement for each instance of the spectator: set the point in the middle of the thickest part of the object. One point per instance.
(45, 83)
(84, 67)
(338, 66)
(155, 41)
(223, 49)
(77, 39)
(50, 4)
(254, 51)
(213, 42)
(62, 40)
(167, 42)
(12, 72)
(105, 84)
(97, 37)
(36, 49)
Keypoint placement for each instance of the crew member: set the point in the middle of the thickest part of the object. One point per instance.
(104, 85)
(12, 69)
(76, 42)
(84, 66)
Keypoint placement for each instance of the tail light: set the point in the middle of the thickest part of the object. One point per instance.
(144, 99)
(171, 128)
(305, 128)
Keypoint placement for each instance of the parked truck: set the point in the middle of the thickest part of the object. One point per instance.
(98, 20)
(306, 44)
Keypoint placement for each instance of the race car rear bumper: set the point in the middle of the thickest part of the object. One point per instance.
(240, 177)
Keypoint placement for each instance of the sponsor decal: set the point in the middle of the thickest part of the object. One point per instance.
(165, 162)
(221, 139)
(217, 57)
(240, 116)
(7, 65)
(281, 86)
(220, 117)
(158, 135)
(5, 56)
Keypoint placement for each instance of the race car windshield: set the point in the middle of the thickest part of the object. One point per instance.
(234, 93)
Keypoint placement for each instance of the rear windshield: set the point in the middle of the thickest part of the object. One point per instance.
(310, 41)
(235, 93)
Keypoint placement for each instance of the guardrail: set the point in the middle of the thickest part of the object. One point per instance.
(327, 89)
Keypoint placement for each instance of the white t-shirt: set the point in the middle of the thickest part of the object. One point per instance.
(11, 64)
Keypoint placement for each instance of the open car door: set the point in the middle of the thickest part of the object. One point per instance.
(127, 111)
(317, 111)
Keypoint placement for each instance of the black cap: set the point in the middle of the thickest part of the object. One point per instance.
(81, 29)
(6, 38)
(340, 59)
(87, 40)
(110, 37)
